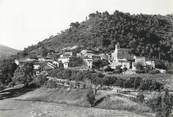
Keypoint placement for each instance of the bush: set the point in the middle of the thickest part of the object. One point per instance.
(76, 61)
(40, 80)
(140, 71)
(100, 63)
(51, 84)
(118, 69)
(140, 97)
(160, 65)
(162, 104)
(150, 85)
(7, 69)
(139, 66)
(24, 75)
(137, 81)
(91, 97)
(109, 80)
(1, 86)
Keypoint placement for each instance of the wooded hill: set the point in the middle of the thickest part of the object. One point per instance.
(5, 52)
(146, 35)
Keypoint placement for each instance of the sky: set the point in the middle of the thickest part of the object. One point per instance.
(26, 22)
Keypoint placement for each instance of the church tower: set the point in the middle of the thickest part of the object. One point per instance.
(115, 53)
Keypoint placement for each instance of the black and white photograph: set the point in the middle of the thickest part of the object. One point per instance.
(86, 58)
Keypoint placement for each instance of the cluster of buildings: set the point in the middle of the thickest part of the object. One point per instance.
(119, 57)
(122, 57)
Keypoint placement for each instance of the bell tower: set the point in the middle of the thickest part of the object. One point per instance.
(116, 52)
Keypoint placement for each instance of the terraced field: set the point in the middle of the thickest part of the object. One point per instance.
(63, 103)
(14, 108)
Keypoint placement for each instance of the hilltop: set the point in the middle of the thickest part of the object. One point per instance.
(7, 51)
(146, 35)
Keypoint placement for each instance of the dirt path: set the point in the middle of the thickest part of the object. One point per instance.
(16, 108)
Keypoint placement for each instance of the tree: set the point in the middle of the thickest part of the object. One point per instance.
(100, 63)
(164, 105)
(91, 97)
(7, 68)
(24, 74)
(139, 68)
(75, 61)
(74, 25)
(44, 51)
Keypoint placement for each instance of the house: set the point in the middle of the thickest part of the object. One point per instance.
(56, 63)
(36, 67)
(41, 59)
(86, 53)
(64, 60)
(53, 66)
(140, 60)
(104, 56)
(70, 48)
(69, 54)
(121, 57)
(150, 63)
(88, 61)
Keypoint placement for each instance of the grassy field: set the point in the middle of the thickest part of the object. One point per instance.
(14, 108)
(78, 97)
(63, 102)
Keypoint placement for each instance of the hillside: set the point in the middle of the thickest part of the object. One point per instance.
(145, 35)
(6, 51)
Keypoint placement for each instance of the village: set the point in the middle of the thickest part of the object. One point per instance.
(120, 59)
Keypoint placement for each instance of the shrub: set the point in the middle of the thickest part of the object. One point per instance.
(119, 82)
(99, 63)
(139, 66)
(162, 104)
(7, 69)
(76, 61)
(51, 84)
(140, 71)
(24, 75)
(91, 97)
(160, 65)
(150, 85)
(109, 80)
(118, 69)
(137, 81)
(1, 86)
(40, 80)
(140, 97)
(129, 83)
